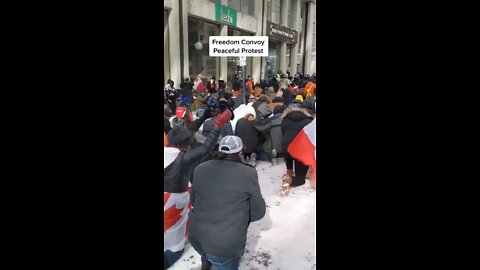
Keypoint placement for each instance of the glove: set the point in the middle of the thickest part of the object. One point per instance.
(224, 106)
(223, 118)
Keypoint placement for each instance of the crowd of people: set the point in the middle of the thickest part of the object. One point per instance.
(211, 188)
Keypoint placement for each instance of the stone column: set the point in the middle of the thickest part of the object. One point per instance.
(264, 33)
(166, 64)
(296, 27)
(222, 62)
(174, 40)
(186, 60)
(309, 38)
(283, 45)
(256, 61)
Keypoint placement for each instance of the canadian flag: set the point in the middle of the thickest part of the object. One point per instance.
(304, 146)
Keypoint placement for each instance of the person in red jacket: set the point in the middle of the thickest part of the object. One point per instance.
(212, 85)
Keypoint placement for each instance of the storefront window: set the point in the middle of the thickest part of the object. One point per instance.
(269, 9)
(235, 4)
(199, 60)
(272, 64)
(274, 11)
(244, 6)
(248, 7)
(166, 62)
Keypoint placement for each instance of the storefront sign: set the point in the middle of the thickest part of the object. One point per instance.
(281, 33)
(225, 15)
(238, 46)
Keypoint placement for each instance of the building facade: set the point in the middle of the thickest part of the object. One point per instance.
(188, 24)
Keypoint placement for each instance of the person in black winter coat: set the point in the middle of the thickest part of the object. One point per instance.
(167, 113)
(171, 97)
(187, 90)
(287, 96)
(294, 120)
(169, 81)
(237, 83)
(176, 179)
(226, 197)
(249, 135)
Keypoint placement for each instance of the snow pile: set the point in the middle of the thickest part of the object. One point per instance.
(285, 238)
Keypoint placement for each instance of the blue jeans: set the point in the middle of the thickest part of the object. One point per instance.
(219, 263)
(261, 155)
(171, 257)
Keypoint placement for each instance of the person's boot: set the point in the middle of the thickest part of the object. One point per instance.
(206, 265)
(274, 157)
(309, 174)
(297, 183)
(290, 172)
(253, 159)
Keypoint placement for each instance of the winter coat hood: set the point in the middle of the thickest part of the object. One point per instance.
(263, 110)
(289, 113)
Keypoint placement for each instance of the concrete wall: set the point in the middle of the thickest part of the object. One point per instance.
(167, 4)
(203, 9)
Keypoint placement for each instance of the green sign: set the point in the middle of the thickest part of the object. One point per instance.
(225, 15)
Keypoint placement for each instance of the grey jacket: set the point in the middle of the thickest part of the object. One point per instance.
(225, 197)
(271, 128)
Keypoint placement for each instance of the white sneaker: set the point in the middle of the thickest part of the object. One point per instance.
(253, 159)
(274, 157)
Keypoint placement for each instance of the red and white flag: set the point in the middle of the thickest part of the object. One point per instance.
(304, 146)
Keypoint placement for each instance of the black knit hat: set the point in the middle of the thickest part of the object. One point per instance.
(278, 109)
(179, 136)
(277, 100)
(309, 105)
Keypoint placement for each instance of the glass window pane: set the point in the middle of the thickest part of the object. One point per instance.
(235, 4)
(247, 7)
(198, 56)
(290, 14)
(276, 11)
(269, 10)
(271, 60)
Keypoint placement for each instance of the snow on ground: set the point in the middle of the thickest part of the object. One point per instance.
(285, 238)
